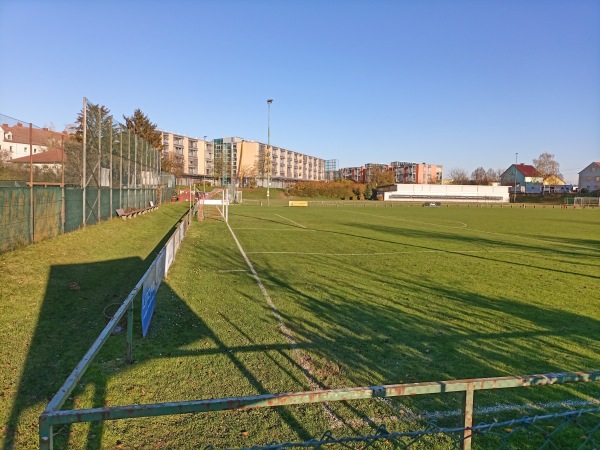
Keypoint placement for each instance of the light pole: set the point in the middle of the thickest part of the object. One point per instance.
(515, 189)
(269, 101)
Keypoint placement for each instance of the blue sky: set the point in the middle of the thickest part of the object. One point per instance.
(455, 82)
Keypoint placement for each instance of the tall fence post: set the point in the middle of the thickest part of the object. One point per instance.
(128, 165)
(84, 168)
(31, 203)
(135, 171)
(99, 180)
(120, 166)
(63, 217)
(110, 171)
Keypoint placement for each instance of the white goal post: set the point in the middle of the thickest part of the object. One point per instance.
(214, 205)
(587, 201)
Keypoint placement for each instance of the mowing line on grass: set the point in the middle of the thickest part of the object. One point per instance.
(303, 362)
(290, 220)
(462, 224)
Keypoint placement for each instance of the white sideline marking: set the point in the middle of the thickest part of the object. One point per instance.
(276, 229)
(290, 220)
(458, 252)
(485, 410)
(285, 330)
(232, 270)
(302, 362)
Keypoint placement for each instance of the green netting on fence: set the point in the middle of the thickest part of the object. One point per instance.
(73, 209)
(15, 217)
(54, 214)
(47, 212)
(100, 167)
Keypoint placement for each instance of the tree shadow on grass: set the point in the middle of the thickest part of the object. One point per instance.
(442, 237)
(418, 329)
(71, 318)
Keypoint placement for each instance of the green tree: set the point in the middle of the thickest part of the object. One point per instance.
(141, 125)
(99, 126)
(378, 176)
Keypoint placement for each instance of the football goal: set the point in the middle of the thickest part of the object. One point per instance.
(214, 205)
(586, 201)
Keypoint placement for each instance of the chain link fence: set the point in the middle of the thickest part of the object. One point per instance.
(56, 182)
(567, 430)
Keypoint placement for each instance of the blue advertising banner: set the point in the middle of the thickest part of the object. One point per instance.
(170, 253)
(151, 284)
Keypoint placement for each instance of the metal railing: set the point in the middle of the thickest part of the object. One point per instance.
(54, 416)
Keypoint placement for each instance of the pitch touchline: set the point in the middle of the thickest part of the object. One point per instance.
(458, 252)
(276, 229)
(290, 220)
(285, 330)
(302, 362)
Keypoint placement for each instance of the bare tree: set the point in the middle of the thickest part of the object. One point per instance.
(479, 176)
(547, 166)
(459, 176)
(493, 175)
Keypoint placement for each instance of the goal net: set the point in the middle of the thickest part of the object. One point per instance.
(587, 201)
(214, 205)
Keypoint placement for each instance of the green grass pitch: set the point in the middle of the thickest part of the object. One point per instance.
(341, 297)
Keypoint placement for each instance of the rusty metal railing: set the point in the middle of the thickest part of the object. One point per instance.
(54, 416)
(52, 411)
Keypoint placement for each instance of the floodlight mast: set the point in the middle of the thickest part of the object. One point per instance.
(269, 101)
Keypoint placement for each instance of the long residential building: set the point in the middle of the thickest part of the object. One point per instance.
(404, 172)
(234, 160)
(194, 156)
